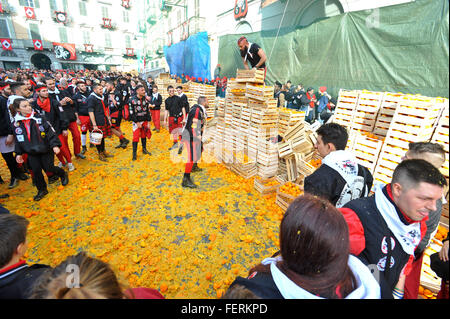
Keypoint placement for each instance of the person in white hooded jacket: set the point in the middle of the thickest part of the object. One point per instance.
(340, 178)
(314, 260)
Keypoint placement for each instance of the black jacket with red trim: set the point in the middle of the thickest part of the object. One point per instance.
(41, 139)
(81, 106)
(69, 108)
(368, 238)
(156, 101)
(16, 282)
(139, 109)
(98, 106)
(196, 112)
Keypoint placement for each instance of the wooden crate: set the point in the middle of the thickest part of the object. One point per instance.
(346, 106)
(285, 150)
(414, 121)
(259, 92)
(251, 76)
(386, 113)
(304, 168)
(367, 150)
(262, 187)
(282, 201)
(291, 168)
(441, 135)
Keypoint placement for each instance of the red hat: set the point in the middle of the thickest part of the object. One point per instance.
(323, 89)
(200, 79)
(241, 39)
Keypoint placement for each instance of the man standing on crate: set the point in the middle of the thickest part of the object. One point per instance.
(192, 138)
(340, 178)
(253, 53)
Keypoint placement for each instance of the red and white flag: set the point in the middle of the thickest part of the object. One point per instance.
(38, 45)
(6, 44)
(130, 52)
(107, 23)
(29, 12)
(89, 48)
(126, 3)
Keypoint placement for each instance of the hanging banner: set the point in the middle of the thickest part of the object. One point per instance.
(130, 52)
(6, 44)
(107, 23)
(38, 45)
(240, 9)
(65, 51)
(89, 48)
(61, 17)
(126, 4)
(29, 13)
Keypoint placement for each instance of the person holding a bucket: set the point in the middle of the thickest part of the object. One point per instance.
(99, 115)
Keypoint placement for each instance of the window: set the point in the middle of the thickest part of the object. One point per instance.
(63, 35)
(108, 43)
(34, 31)
(29, 3)
(4, 29)
(86, 37)
(105, 12)
(126, 16)
(128, 41)
(82, 6)
(58, 5)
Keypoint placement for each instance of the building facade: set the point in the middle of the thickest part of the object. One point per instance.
(100, 34)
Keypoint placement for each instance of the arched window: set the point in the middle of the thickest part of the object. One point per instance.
(243, 27)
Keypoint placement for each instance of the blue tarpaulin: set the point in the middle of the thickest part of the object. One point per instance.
(191, 57)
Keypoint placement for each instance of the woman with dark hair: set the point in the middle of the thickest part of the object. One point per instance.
(314, 261)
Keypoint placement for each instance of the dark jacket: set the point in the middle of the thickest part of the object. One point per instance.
(157, 102)
(96, 106)
(368, 233)
(17, 282)
(122, 96)
(327, 183)
(69, 109)
(5, 121)
(185, 102)
(262, 285)
(81, 105)
(139, 110)
(43, 137)
(55, 116)
(174, 106)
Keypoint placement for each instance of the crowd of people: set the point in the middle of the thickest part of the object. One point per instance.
(336, 241)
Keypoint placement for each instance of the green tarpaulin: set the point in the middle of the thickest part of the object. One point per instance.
(402, 48)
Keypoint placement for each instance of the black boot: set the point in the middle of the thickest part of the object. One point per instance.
(53, 179)
(195, 168)
(144, 147)
(14, 183)
(187, 182)
(83, 150)
(135, 146)
(23, 177)
(65, 179)
(40, 195)
(124, 143)
(81, 156)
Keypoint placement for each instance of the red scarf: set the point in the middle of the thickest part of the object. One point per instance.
(311, 104)
(44, 105)
(27, 126)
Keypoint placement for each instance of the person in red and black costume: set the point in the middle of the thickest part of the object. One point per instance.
(139, 106)
(36, 137)
(65, 99)
(174, 115)
(192, 139)
(99, 116)
(390, 225)
(155, 107)
(81, 108)
(17, 278)
(54, 113)
(115, 111)
(122, 94)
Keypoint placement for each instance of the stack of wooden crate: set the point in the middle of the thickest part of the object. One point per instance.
(414, 121)
(441, 134)
(288, 118)
(345, 107)
(386, 113)
(366, 111)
